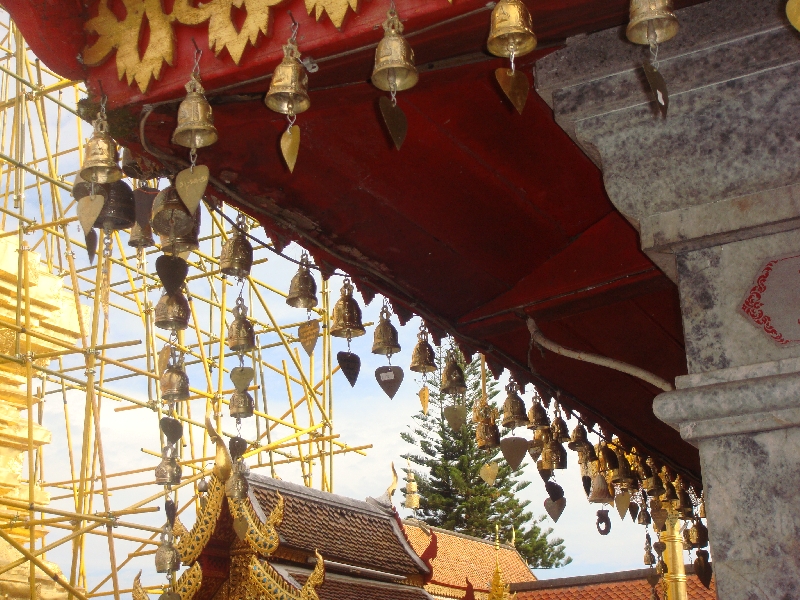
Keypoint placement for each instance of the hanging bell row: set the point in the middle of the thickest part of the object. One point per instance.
(236, 258)
(303, 288)
(347, 314)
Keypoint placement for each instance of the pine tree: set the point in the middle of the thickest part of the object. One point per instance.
(453, 495)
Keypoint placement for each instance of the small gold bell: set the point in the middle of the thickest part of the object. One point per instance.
(453, 378)
(559, 429)
(683, 505)
(241, 405)
(141, 232)
(236, 258)
(423, 359)
(622, 474)
(119, 209)
(241, 335)
(168, 471)
(178, 244)
(195, 118)
(172, 312)
(554, 455)
(651, 21)
(643, 518)
(487, 436)
(101, 154)
(394, 69)
(698, 535)
(141, 238)
(288, 91)
(174, 384)
(537, 416)
(649, 557)
(303, 288)
(168, 560)
(511, 32)
(236, 487)
(651, 482)
(347, 315)
(579, 442)
(170, 217)
(386, 339)
(513, 408)
(540, 436)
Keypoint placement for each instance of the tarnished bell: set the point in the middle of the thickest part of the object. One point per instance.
(600, 493)
(303, 288)
(288, 91)
(423, 359)
(554, 455)
(386, 338)
(236, 487)
(172, 312)
(195, 119)
(622, 474)
(487, 436)
(347, 315)
(168, 471)
(579, 442)
(513, 408)
(537, 417)
(236, 258)
(511, 31)
(241, 335)
(167, 557)
(82, 188)
(170, 215)
(651, 20)
(394, 59)
(141, 237)
(130, 167)
(559, 430)
(241, 405)
(651, 482)
(187, 242)
(174, 384)
(119, 209)
(101, 156)
(453, 378)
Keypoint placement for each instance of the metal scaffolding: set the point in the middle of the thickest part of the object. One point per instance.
(93, 351)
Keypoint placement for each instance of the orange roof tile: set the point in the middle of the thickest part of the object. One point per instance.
(455, 558)
(623, 585)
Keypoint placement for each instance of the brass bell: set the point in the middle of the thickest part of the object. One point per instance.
(119, 209)
(608, 460)
(168, 471)
(170, 217)
(141, 232)
(241, 405)
(487, 436)
(236, 258)
(651, 21)
(168, 559)
(172, 312)
(423, 359)
(537, 416)
(683, 505)
(288, 91)
(513, 408)
(179, 244)
(559, 430)
(101, 155)
(540, 437)
(600, 493)
(651, 481)
(554, 455)
(303, 288)
(236, 487)
(579, 442)
(394, 69)
(385, 340)
(698, 535)
(649, 557)
(622, 474)
(511, 31)
(644, 518)
(669, 492)
(130, 167)
(195, 118)
(174, 383)
(347, 314)
(141, 238)
(241, 335)
(453, 378)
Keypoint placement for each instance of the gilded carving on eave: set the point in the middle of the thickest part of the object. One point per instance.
(191, 545)
(186, 587)
(261, 537)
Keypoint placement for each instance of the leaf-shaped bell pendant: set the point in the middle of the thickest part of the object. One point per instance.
(172, 312)
(513, 408)
(423, 359)
(101, 155)
(174, 383)
(241, 335)
(195, 118)
(385, 340)
(236, 258)
(347, 314)
(168, 560)
(453, 377)
(303, 288)
(651, 21)
(168, 471)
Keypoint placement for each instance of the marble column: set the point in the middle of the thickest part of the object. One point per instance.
(714, 191)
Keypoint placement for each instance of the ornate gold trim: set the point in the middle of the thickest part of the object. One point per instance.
(191, 545)
(138, 592)
(269, 581)
(189, 583)
(262, 538)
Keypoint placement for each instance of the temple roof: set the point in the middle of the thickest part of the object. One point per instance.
(343, 587)
(623, 585)
(343, 530)
(457, 560)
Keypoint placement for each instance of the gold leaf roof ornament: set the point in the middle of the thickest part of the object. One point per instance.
(138, 592)
(262, 538)
(223, 464)
(391, 489)
(189, 583)
(191, 545)
(336, 9)
(316, 579)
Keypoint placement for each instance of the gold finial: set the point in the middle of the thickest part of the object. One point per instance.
(391, 489)
(513, 536)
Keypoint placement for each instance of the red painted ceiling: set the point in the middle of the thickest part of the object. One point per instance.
(484, 217)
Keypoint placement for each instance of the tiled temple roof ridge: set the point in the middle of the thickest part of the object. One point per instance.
(586, 580)
(423, 525)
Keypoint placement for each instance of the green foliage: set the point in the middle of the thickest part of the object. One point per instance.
(453, 495)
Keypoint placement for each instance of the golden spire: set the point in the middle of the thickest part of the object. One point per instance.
(499, 590)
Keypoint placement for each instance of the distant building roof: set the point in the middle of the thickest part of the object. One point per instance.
(342, 529)
(343, 587)
(622, 585)
(461, 565)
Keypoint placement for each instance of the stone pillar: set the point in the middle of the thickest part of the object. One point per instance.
(714, 191)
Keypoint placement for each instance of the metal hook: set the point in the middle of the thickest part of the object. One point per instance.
(197, 54)
(294, 26)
